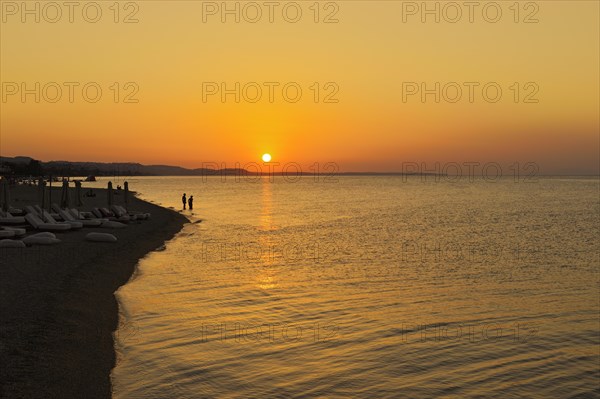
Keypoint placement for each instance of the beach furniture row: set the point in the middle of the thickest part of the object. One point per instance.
(36, 226)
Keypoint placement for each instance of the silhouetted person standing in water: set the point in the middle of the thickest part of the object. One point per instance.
(184, 200)
(191, 202)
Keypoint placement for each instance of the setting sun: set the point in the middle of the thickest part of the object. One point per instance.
(435, 185)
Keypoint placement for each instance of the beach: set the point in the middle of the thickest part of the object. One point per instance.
(58, 311)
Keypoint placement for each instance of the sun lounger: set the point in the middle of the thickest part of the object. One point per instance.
(120, 211)
(105, 213)
(81, 215)
(96, 212)
(111, 224)
(36, 210)
(6, 234)
(122, 218)
(17, 230)
(8, 218)
(65, 215)
(38, 224)
(50, 219)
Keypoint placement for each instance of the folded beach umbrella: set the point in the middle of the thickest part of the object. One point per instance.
(78, 193)
(110, 194)
(126, 195)
(5, 196)
(64, 197)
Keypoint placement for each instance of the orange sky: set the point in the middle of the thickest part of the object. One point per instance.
(370, 55)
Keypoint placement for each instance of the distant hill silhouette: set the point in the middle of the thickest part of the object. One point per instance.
(27, 166)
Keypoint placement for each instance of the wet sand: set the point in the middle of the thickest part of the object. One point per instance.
(58, 311)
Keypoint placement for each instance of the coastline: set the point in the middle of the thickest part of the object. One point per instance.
(58, 308)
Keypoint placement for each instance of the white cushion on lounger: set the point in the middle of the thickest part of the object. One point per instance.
(137, 216)
(66, 216)
(77, 215)
(6, 234)
(36, 222)
(124, 218)
(40, 212)
(36, 210)
(50, 219)
(12, 244)
(36, 240)
(54, 212)
(100, 237)
(118, 211)
(121, 212)
(55, 208)
(91, 222)
(141, 216)
(18, 231)
(29, 209)
(10, 219)
(69, 218)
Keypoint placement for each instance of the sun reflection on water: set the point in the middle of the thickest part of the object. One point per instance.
(266, 278)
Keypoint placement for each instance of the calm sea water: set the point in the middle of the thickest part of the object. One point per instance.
(367, 287)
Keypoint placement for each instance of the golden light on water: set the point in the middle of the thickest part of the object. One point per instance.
(266, 277)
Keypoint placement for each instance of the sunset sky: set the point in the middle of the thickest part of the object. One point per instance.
(370, 54)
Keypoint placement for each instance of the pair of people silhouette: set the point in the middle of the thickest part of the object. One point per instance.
(188, 201)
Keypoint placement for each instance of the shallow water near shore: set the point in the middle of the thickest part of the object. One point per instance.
(366, 286)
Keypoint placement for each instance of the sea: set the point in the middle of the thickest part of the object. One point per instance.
(366, 286)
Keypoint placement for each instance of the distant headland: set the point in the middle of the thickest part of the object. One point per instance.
(27, 166)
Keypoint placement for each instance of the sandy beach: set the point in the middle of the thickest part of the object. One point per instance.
(58, 311)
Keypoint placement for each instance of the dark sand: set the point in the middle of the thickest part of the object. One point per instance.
(58, 311)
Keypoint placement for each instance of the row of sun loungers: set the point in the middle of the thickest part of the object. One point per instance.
(8, 226)
(9, 232)
(61, 220)
(8, 218)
